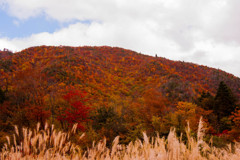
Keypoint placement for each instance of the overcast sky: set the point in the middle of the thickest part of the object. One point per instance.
(200, 31)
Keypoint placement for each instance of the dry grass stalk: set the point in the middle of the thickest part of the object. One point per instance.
(40, 144)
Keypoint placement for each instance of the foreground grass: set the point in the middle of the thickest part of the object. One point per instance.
(50, 144)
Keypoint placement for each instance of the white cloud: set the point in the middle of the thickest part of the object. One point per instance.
(6, 43)
(217, 55)
(202, 31)
(131, 35)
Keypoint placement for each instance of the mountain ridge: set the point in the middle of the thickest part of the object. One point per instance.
(92, 62)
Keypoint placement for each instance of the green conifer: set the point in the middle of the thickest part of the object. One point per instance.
(225, 102)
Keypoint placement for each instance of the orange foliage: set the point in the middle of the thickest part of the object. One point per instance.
(111, 76)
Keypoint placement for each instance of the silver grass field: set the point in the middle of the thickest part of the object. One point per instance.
(49, 144)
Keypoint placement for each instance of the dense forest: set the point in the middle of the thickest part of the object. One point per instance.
(111, 91)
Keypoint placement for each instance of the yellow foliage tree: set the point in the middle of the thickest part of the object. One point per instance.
(189, 112)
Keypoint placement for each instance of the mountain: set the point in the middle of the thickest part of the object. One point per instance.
(112, 91)
(109, 73)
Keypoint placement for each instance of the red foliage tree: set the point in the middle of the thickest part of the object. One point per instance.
(77, 112)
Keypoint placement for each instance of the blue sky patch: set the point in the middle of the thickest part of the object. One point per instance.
(14, 28)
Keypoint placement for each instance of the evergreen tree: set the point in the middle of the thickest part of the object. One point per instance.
(225, 102)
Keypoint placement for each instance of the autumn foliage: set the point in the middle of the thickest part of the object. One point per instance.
(77, 111)
(111, 91)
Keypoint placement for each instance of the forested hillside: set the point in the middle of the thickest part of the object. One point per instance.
(111, 91)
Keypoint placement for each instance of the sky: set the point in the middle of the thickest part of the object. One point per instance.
(205, 32)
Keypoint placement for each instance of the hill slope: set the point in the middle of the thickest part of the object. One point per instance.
(107, 71)
(110, 91)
